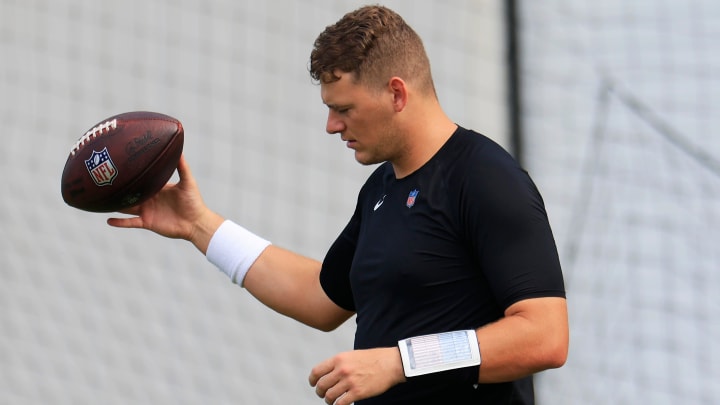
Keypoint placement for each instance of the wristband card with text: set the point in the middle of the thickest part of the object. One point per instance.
(439, 352)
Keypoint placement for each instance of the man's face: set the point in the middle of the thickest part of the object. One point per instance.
(363, 118)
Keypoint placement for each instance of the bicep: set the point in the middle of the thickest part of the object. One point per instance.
(531, 337)
(549, 330)
(546, 310)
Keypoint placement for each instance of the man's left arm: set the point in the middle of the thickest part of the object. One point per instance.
(531, 337)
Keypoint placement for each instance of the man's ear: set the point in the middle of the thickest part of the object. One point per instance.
(399, 93)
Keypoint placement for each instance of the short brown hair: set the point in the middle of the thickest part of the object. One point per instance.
(375, 44)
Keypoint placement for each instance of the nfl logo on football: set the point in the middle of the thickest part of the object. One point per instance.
(101, 168)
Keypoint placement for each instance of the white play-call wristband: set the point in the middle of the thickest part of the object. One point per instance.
(233, 249)
(439, 352)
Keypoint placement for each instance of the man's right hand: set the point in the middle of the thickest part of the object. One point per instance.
(177, 211)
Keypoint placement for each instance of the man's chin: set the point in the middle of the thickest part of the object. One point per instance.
(366, 160)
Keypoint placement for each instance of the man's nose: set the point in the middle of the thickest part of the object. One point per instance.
(334, 124)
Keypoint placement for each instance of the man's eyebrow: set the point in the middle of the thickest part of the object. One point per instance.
(336, 107)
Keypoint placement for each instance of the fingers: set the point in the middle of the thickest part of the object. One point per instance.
(323, 378)
(344, 399)
(320, 371)
(134, 222)
(331, 383)
(183, 169)
(333, 389)
(358, 374)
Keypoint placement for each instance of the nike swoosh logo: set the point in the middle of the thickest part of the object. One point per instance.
(379, 203)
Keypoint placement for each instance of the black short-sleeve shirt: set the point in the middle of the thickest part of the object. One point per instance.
(448, 247)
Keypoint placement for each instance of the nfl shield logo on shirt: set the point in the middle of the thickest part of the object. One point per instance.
(101, 168)
(411, 198)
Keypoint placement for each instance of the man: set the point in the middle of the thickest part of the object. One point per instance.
(449, 240)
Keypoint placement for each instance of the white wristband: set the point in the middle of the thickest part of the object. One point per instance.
(439, 352)
(233, 249)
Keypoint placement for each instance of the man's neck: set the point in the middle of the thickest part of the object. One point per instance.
(424, 140)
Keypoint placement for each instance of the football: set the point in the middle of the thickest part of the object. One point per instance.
(122, 161)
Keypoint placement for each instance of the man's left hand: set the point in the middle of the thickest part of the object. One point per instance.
(351, 376)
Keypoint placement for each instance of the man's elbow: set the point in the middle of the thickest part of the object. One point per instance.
(326, 326)
(328, 321)
(556, 335)
(557, 359)
(555, 353)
